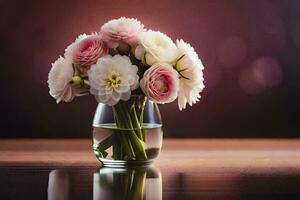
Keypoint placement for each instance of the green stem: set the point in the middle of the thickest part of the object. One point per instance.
(116, 148)
(141, 118)
(126, 147)
(136, 123)
(127, 144)
(129, 184)
(135, 140)
(137, 185)
(124, 121)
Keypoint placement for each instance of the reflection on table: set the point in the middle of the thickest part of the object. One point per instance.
(36, 183)
(143, 183)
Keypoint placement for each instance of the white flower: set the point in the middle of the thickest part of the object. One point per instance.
(122, 24)
(121, 30)
(113, 78)
(156, 47)
(189, 67)
(58, 80)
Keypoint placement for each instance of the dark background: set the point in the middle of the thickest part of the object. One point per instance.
(250, 49)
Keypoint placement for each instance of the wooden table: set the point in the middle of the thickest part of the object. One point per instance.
(189, 168)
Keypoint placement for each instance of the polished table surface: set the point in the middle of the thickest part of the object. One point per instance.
(57, 169)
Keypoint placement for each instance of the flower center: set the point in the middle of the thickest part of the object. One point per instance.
(160, 85)
(114, 80)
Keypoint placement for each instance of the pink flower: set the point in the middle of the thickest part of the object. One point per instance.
(87, 51)
(120, 30)
(160, 83)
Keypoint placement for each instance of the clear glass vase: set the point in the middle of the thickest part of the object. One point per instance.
(128, 133)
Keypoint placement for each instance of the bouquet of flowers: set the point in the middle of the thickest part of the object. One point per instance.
(125, 59)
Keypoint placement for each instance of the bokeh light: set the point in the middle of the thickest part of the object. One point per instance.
(267, 71)
(264, 73)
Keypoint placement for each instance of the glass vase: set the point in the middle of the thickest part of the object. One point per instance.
(128, 133)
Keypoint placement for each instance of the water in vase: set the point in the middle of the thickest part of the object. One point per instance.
(112, 143)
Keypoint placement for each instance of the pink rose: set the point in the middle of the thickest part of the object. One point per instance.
(122, 30)
(86, 52)
(160, 83)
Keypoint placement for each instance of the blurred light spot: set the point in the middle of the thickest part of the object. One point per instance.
(267, 71)
(264, 73)
(248, 83)
(232, 51)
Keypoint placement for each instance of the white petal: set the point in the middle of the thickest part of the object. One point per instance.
(115, 96)
(150, 60)
(192, 84)
(126, 96)
(159, 46)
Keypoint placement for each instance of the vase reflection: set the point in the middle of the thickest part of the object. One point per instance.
(132, 184)
(58, 185)
(142, 183)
